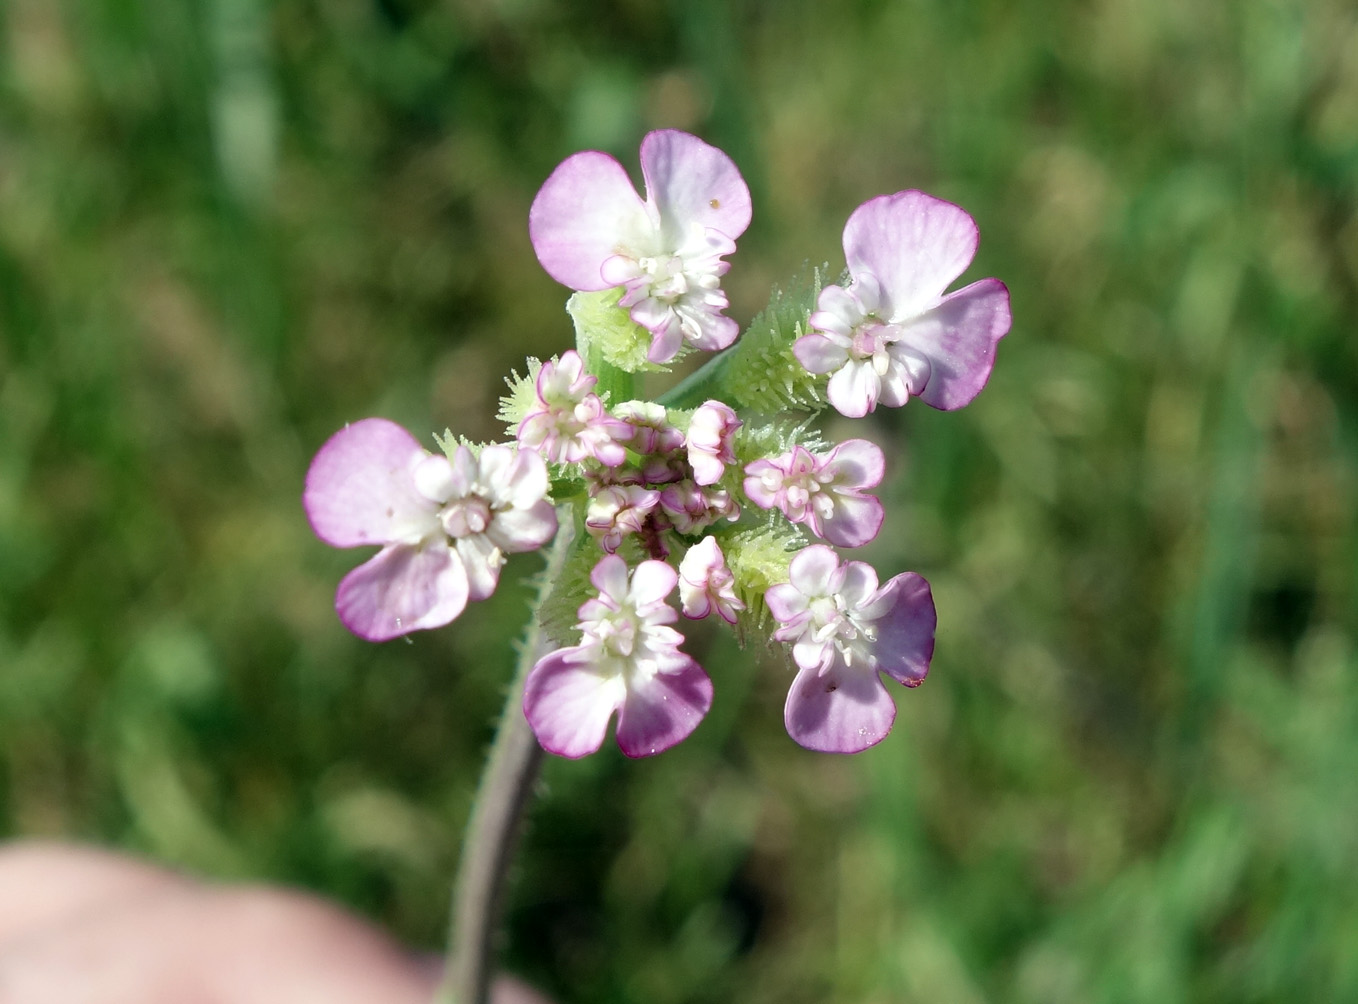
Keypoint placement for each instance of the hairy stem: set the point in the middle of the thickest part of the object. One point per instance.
(497, 813)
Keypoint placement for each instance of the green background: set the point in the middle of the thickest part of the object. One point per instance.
(227, 227)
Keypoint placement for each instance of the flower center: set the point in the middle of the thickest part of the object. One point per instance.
(617, 634)
(668, 279)
(466, 517)
(832, 621)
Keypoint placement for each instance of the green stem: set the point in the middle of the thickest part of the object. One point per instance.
(698, 386)
(497, 814)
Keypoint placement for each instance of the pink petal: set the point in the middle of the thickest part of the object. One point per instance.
(860, 582)
(652, 582)
(755, 489)
(815, 571)
(842, 710)
(689, 182)
(786, 602)
(580, 215)
(818, 354)
(481, 560)
(715, 332)
(663, 710)
(518, 530)
(360, 488)
(958, 337)
(856, 519)
(568, 704)
(854, 388)
(402, 588)
(905, 634)
(856, 463)
(610, 577)
(914, 244)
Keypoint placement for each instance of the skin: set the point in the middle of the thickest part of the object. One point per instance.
(85, 926)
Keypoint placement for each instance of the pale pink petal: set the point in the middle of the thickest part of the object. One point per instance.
(579, 216)
(816, 571)
(787, 603)
(667, 334)
(664, 709)
(715, 332)
(914, 244)
(517, 530)
(856, 519)
(434, 478)
(690, 182)
(860, 582)
(856, 463)
(652, 582)
(818, 354)
(402, 588)
(568, 704)
(757, 489)
(838, 312)
(853, 389)
(810, 653)
(360, 488)
(843, 710)
(905, 633)
(482, 560)
(610, 577)
(959, 337)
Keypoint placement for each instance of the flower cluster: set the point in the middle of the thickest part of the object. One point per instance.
(721, 488)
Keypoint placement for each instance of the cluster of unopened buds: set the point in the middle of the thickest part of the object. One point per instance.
(721, 488)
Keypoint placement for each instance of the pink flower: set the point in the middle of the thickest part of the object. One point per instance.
(652, 432)
(617, 510)
(568, 422)
(894, 334)
(706, 583)
(711, 441)
(591, 232)
(824, 491)
(845, 632)
(444, 528)
(691, 508)
(628, 661)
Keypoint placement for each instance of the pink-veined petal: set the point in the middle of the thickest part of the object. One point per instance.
(568, 704)
(843, 710)
(402, 588)
(914, 244)
(663, 709)
(959, 337)
(905, 633)
(360, 488)
(690, 182)
(583, 211)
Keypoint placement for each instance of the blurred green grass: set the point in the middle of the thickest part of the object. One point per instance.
(227, 228)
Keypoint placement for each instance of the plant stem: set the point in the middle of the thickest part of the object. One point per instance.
(497, 814)
(698, 386)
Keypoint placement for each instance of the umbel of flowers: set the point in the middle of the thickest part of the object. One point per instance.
(721, 490)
